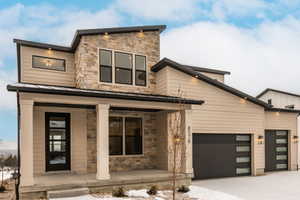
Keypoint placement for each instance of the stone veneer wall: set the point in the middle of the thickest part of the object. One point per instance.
(87, 63)
(125, 163)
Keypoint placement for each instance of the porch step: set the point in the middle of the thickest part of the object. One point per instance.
(67, 193)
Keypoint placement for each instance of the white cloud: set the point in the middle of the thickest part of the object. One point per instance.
(8, 145)
(7, 99)
(171, 10)
(264, 56)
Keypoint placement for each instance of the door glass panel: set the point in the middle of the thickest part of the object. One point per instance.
(243, 149)
(57, 159)
(242, 138)
(281, 149)
(242, 170)
(281, 166)
(243, 159)
(57, 122)
(281, 157)
(57, 134)
(281, 133)
(281, 141)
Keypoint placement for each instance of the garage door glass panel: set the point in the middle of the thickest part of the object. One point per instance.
(281, 166)
(281, 157)
(281, 149)
(281, 141)
(242, 170)
(281, 133)
(243, 159)
(243, 149)
(243, 138)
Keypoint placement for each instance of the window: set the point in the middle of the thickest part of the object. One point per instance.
(105, 66)
(125, 136)
(123, 68)
(140, 70)
(48, 63)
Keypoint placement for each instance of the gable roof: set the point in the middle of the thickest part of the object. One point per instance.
(79, 33)
(167, 62)
(275, 90)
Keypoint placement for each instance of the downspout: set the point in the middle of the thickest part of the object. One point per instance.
(19, 156)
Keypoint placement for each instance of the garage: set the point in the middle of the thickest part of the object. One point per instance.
(276, 150)
(221, 155)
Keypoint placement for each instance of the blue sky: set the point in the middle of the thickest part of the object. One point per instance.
(258, 41)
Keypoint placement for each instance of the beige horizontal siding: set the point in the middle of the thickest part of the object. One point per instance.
(161, 82)
(45, 76)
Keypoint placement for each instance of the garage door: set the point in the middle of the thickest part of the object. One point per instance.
(276, 150)
(221, 155)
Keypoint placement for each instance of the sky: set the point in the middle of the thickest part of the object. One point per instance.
(258, 41)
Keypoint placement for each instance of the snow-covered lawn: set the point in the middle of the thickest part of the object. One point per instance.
(194, 193)
(273, 186)
(6, 174)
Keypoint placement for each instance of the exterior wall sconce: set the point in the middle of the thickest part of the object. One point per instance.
(49, 52)
(106, 36)
(260, 139)
(277, 113)
(295, 138)
(141, 34)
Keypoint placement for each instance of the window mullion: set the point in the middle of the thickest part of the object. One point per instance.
(113, 68)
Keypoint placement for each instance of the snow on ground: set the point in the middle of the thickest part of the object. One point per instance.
(6, 174)
(194, 193)
(272, 186)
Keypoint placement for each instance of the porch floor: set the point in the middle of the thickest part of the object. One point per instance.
(61, 181)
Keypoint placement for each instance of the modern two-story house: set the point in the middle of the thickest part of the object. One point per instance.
(104, 112)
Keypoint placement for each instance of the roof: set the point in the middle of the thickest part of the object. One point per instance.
(279, 91)
(283, 110)
(79, 33)
(58, 90)
(208, 70)
(167, 62)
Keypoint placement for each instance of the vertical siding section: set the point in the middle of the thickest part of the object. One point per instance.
(45, 76)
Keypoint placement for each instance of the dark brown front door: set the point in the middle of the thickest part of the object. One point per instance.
(276, 150)
(57, 141)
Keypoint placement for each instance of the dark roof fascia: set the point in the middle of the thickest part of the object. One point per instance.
(30, 88)
(42, 45)
(282, 110)
(82, 32)
(208, 70)
(167, 62)
(279, 91)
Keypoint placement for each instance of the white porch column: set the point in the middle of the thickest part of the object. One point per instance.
(102, 142)
(26, 142)
(186, 117)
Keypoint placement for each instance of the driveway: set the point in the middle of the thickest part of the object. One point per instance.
(272, 186)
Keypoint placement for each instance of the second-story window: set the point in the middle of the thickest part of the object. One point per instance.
(48, 63)
(140, 70)
(105, 66)
(123, 68)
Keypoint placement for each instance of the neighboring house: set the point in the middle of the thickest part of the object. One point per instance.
(102, 113)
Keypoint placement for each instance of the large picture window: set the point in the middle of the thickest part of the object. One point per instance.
(123, 68)
(48, 63)
(140, 70)
(125, 136)
(105, 66)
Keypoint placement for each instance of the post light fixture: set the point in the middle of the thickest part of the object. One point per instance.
(141, 34)
(106, 36)
(295, 138)
(260, 139)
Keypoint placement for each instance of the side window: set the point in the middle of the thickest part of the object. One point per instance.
(140, 70)
(105, 66)
(48, 63)
(123, 68)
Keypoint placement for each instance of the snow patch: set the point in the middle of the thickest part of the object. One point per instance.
(138, 193)
(206, 194)
(6, 175)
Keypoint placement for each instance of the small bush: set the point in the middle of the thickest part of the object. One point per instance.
(120, 192)
(183, 189)
(153, 190)
(2, 188)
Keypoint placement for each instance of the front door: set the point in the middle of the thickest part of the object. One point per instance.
(276, 150)
(57, 141)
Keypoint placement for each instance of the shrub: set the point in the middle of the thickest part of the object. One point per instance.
(120, 192)
(2, 188)
(153, 190)
(183, 189)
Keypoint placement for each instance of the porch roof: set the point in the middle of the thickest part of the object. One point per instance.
(70, 91)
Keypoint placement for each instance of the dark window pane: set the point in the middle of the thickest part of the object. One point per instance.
(140, 78)
(123, 60)
(133, 136)
(105, 57)
(115, 135)
(140, 63)
(105, 74)
(48, 63)
(57, 122)
(55, 159)
(123, 76)
(57, 146)
(57, 134)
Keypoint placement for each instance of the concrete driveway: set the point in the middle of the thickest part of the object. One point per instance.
(272, 186)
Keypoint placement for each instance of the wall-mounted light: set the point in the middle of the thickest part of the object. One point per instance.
(141, 34)
(49, 52)
(277, 114)
(260, 139)
(295, 138)
(177, 139)
(106, 36)
(242, 101)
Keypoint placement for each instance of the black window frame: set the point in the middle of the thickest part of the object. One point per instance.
(138, 70)
(123, 68)
(48, 68)
(106, 66)
(124, 135)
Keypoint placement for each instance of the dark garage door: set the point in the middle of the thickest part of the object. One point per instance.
(221, 155)
(276, 150)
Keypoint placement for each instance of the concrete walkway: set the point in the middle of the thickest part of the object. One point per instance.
(272, 186)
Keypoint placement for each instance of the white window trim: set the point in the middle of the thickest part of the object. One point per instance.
(114, 67)
(123, 116)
